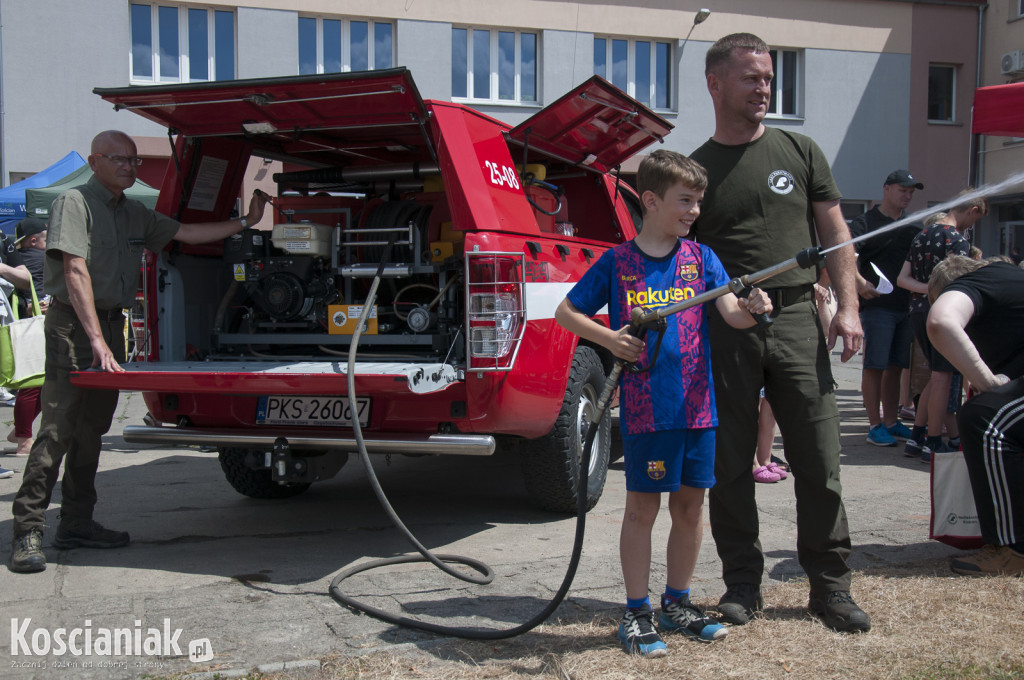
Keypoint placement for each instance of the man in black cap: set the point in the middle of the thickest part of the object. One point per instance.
(30, 237)
(884, 307)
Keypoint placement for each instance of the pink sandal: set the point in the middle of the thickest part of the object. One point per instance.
(774, 467)
(765, 475)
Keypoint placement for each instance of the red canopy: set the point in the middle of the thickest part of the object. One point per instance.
(999, 110)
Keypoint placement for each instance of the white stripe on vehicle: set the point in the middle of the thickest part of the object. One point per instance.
(542, 299)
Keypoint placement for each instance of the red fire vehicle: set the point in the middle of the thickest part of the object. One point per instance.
(245, 343)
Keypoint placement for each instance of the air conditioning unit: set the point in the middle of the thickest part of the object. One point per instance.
(1012, 63)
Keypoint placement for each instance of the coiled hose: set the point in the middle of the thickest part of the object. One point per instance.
(443, 561)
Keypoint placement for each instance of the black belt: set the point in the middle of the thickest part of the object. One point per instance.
(101, 314)
(786, 297)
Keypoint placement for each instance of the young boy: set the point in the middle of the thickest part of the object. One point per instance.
(668, 413)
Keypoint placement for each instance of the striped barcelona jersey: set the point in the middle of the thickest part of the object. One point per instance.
(678, 391)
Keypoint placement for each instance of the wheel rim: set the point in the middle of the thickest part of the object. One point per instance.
(585, 415)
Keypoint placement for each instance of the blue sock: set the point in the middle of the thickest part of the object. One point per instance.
(674, 595)
(638, 603)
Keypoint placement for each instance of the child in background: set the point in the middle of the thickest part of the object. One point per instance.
(943, 236)
(668, 414)
(766, 470)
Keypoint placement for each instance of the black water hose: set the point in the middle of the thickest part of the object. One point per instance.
(442, 562)
(556, 192)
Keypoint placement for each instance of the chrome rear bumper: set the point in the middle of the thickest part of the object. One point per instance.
(432, 444)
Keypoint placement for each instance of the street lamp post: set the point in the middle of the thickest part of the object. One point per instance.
(702, 14)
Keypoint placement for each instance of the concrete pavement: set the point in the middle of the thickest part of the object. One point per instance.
(251, 577)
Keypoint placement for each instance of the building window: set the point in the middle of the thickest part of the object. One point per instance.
(640, 68)
(941, 87)
(852, 209)
(333, 45)
(178, 44)
(786, 85)
(494, 66)
(1016, 9)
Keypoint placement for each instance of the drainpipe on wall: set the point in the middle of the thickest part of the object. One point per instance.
(976, 171)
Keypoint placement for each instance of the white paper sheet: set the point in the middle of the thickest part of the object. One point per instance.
(884, 285)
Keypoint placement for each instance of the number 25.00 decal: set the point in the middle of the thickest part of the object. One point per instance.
(502, 175)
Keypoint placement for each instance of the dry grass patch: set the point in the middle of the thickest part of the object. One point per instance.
(927, 625)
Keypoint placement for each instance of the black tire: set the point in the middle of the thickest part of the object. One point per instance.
(615, 451)
(253, 483)
(551, 463)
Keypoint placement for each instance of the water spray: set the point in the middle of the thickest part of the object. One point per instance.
(982, 192)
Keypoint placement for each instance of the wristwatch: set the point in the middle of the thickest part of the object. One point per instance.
(245, 224)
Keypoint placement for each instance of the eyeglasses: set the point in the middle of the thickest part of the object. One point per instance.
(121, 160)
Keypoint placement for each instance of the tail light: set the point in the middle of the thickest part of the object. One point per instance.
(495, 310)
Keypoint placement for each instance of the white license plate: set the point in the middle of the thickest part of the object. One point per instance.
(311, 410)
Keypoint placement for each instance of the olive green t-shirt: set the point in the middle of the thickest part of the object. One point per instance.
(757, 210)
(109, 233)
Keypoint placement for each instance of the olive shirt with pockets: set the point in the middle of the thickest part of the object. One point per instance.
(109, 233)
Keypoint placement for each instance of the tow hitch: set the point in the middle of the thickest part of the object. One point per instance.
(288, 468)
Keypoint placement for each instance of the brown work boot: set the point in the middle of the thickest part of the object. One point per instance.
(88, 534)
(27, 553)
(992, 560)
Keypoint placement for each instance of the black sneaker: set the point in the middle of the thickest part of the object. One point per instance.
(88, 534)
(27, 553)
(741, 602)
(638, 634)
(840, 612)
(912, 449)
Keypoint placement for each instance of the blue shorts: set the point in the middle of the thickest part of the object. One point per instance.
(659, 462)
(888, 336)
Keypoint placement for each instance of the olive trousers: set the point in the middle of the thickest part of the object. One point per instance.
(73, 423)
(789, 358)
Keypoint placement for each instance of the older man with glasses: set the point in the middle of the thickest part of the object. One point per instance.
(94, 247)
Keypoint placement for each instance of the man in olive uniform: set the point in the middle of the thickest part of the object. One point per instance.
(94, 248)
(770, 195)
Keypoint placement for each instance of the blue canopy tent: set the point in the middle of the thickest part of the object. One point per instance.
(12, 198)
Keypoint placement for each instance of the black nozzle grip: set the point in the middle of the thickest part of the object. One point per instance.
(809, 257)
(762, 319)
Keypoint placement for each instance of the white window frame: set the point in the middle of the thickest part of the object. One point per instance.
(952, 96)
(346, 41)
(1016, 9)
(778, 84)
(494, 75)
(183, 46)
(631, 67)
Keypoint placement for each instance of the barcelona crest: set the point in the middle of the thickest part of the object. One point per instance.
(688, 272)
(656, 469)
